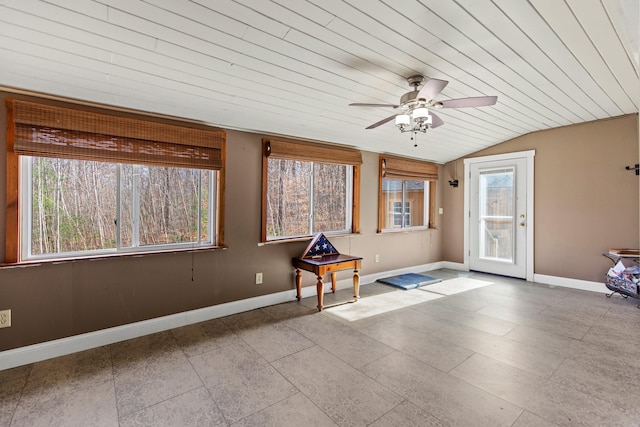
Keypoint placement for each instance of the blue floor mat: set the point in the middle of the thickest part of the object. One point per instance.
(409, 280)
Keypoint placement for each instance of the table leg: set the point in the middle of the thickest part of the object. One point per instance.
(298, 284)
(356, 284)
(320, 291)
(333, 282)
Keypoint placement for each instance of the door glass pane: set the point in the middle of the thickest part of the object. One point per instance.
(497, 215)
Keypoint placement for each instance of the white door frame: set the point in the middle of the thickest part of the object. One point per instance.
(528, 155)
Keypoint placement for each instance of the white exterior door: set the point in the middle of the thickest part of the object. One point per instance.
(498, 216)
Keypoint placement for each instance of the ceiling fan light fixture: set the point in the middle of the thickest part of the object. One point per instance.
(403, 120)
(420, 113)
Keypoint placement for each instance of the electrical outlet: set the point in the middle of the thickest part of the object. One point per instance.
(258, 278)
(377, 258)
(5, 318)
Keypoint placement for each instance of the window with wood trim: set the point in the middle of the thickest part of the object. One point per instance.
(84, 183)
(406, 197)
(309, 188)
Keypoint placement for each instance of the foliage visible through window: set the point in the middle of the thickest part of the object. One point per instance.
(77, 207)
(408, 201)
(306, 197)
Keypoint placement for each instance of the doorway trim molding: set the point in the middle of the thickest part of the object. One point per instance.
(528, 155)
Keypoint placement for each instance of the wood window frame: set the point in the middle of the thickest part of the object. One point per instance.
(311, 152)
(392, 167)
(34, 128)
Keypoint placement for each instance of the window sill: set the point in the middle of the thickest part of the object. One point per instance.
(405, 230)
(303, 239)
(36, 262)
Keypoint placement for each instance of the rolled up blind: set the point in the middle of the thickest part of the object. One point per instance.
(399, 168)
(53, 131)
(311, 152)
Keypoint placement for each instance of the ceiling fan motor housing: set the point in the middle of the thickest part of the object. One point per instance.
(408, 98)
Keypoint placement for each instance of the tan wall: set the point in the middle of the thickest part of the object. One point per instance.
(453, 216)
(56, 300)
(585, 200)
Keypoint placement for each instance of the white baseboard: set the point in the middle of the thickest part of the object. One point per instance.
(370, 278)
(60, 347)
(565, 282)
(459, 266)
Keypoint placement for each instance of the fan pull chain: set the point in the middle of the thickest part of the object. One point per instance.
(414, 138)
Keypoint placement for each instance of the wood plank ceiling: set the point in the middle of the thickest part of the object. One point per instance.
(291, 67)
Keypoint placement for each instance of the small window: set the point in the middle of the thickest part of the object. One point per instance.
(406, 194)
(308, 188)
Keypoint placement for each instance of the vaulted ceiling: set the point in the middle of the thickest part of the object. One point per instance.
(291, 67)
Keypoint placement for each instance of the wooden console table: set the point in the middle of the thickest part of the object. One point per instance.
(327, 264)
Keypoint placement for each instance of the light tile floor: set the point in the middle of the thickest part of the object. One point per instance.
(474, 350)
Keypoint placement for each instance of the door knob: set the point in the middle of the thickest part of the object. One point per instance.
(522, 224)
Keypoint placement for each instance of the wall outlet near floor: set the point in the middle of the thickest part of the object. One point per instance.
(377, 258)
(258, 278)
(5, 318)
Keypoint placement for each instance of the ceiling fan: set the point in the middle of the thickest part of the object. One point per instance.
(417, 105)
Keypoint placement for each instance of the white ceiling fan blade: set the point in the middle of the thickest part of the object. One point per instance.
(381, 122)
(435, 120)
(478, 101)
(360, 104)
(431, 89)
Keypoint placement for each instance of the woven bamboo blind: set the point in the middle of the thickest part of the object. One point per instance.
(397, 168)
(52, 131)
(312, 152)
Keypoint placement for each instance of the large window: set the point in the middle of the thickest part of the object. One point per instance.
(93, 184)
(78, 207)
(308, 188)
(407, 190)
